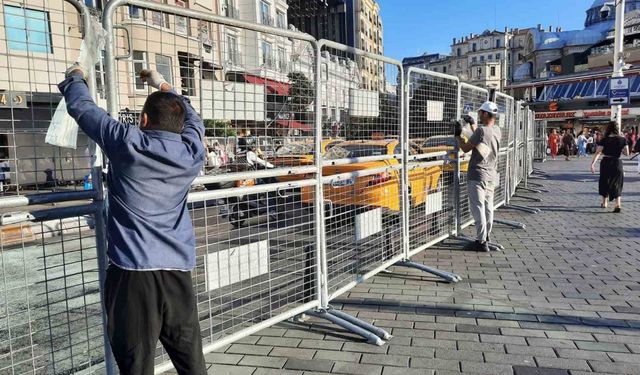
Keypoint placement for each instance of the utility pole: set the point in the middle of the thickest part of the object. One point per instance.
(618, 57)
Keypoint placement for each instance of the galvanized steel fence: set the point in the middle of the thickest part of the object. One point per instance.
(357, 171)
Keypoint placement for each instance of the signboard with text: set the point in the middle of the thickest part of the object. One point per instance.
(619, 91)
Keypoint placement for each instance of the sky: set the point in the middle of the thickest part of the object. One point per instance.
(413, 27)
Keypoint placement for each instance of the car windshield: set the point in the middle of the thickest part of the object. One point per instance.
(295, 149)
(355, 151)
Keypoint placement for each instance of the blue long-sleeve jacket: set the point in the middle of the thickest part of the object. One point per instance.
(148, 225)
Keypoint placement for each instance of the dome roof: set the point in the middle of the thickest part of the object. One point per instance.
(583, 37)
(550, 41)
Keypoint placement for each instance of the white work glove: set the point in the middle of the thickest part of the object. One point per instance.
(74, 69)
(154, 79)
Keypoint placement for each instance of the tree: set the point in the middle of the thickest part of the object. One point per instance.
(301, 95)
(219, 128)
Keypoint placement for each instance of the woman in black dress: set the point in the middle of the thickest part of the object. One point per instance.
(612, 146)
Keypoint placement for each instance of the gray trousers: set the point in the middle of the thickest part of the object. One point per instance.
(481, 206)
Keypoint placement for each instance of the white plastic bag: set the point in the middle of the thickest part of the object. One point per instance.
(63, 130)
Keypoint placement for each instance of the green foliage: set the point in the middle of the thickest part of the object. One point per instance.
(219, 128)
(301, 95)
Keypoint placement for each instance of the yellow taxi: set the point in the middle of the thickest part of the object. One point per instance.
(377, 190)
(299, 154)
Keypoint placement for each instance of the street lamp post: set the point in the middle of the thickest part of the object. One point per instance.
(618, 54)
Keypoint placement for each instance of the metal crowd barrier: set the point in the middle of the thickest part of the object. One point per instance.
(51, 228)
(363, 174)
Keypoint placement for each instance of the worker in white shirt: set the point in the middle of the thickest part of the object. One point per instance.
(253, 159)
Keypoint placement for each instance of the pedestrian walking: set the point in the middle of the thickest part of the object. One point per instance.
(582, 145)
(482, 176)
(148, 290)
(554, 141)
(636, 150)
(568, 141)
(612, 146)
(590, 144)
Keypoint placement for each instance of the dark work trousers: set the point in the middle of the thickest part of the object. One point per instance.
(144, 306)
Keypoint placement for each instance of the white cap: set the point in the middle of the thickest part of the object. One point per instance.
(489, 107)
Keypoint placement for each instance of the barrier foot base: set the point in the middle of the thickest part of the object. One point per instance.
(381, 333)
(530, 210)
(368, 335)
(515, 224)
(537, 185)
(447, 276)
(492, 246)
(528, 198)
(529, 190)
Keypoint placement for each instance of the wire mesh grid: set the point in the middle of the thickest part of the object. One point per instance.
(471, 98)
(38, 41)
(254, 90)
(362, 183)
(540, 141)
(255, 229)
(507, 126)
(50, 309)
(433, 104)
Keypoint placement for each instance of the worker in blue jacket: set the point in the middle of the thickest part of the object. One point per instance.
(151, 243)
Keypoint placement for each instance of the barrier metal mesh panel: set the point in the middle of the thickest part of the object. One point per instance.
(51, 314)
(433, 104)
(540, 141)
(507, 126)
(255, 229)
(363, 172)
(471, 98)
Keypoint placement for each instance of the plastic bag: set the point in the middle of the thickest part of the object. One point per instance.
(63, 130)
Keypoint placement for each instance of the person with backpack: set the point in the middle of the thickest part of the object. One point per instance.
(148, 291)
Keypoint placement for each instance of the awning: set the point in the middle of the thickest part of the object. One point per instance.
(273, 87)
(293, 124)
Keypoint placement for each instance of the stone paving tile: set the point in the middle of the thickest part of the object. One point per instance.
(562, 299)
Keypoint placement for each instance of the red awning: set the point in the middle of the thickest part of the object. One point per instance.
(293, 124)
(273, 87)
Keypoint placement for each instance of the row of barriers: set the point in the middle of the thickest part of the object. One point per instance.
(362, 173)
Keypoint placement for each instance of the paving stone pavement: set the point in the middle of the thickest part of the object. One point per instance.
(563, 298)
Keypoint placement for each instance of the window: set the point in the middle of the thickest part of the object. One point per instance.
(444, 69)
(100, 76)
(282, 59)
(490, 57)
(135, 12)
(498, 56)
(281, 20)
(479, 72)
(493, 71)
(498, 43)
(27, 30)
(182, 23)
(161, 19)
(459, 52)
(474, 47)
(265, 54)
(139, 63)
(163, 66)
(232, 50)
(474, 59)
(187, 76)
(265, 12)
(481, 58)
